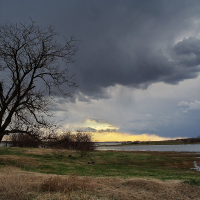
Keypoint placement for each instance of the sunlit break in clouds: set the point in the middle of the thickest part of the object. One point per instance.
(103, 132)
(137, 67)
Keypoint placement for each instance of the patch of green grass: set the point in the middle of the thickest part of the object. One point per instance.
(160, 165)
(11, 151)
(192, 182)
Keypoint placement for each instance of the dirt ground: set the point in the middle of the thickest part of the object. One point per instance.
(18, 184)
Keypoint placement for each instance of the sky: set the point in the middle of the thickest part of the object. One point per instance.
(137, 67)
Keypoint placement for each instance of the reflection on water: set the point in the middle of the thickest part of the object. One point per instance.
(178, 148)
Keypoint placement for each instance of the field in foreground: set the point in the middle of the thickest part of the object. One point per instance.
(20, 185)
(35, 174)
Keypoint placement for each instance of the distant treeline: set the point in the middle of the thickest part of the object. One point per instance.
(190, 140)
(165, 142)
(74, 141)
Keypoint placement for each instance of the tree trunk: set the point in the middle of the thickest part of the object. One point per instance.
(1, 137)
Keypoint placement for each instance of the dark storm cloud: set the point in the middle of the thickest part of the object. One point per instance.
(89, 129)
(188, 52)
(131, 43)
(125, 45)
(107, 130)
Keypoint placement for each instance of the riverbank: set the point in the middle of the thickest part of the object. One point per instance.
(160, 148)
(163, 142)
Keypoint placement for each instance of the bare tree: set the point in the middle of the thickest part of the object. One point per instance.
(33, 65)
(77, 141)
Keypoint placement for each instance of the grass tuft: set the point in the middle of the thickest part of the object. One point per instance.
(65, 184)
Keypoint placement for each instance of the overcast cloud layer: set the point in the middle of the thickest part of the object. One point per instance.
(138, 61)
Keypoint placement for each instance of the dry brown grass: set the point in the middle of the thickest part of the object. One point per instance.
(146, 189)
(13, 185)
(19, 160)
(42, 151)
(17, 184)
(65, 184)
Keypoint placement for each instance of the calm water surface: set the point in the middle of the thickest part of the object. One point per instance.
(178, 148)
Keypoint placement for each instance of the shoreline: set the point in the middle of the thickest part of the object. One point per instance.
(157, 148)
(146, 143)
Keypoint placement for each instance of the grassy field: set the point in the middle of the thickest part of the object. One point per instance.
(159, 165)
(50, 174)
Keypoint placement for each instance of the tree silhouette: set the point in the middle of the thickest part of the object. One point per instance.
(33, 66)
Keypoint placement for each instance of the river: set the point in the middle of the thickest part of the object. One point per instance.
(177, 148)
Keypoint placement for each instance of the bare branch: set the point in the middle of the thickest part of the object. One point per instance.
(30, 54)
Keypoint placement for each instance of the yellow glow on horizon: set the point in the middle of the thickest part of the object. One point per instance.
(115, 136)
(106, 132)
